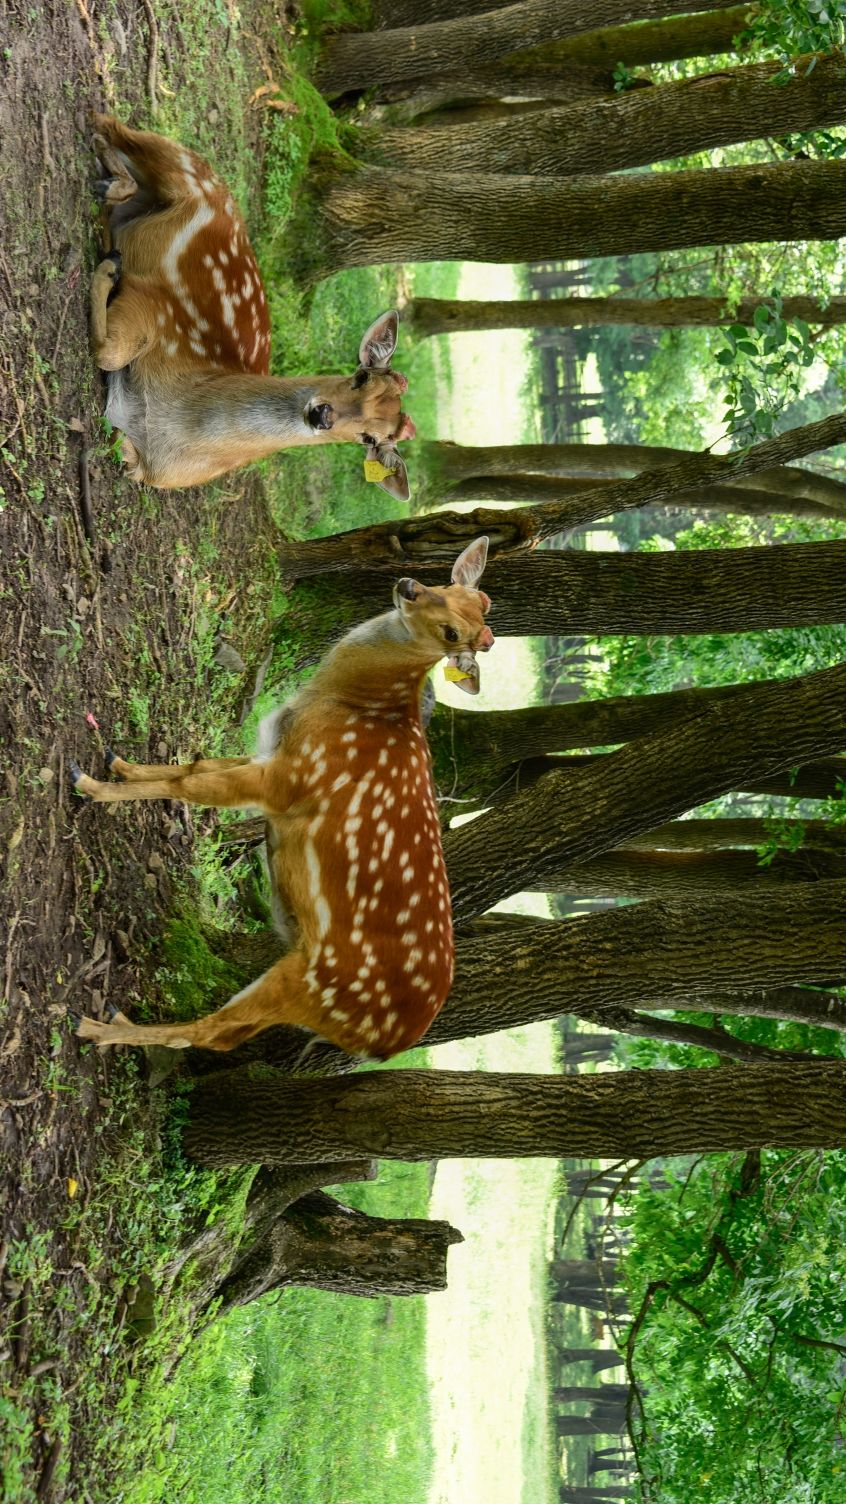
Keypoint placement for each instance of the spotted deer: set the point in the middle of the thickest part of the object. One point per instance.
(354, 848)
(180, 324)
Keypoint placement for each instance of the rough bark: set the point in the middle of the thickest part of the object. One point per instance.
(429, 544)
(629, 129)
(427, 316)
(361, 60)
(324, 1245)
(659, 954)
(652, 874)
(420, 1115)
(697, 35)
(478, 93)
(574, 814)
(374, 214)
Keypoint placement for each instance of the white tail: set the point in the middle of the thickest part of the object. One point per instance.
(179, 320)
(354, 845)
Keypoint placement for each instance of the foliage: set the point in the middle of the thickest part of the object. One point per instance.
(762, 366)
(735, 1273)
(791, 29)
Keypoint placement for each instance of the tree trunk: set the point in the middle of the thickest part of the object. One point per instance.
(698, 35)
(429, 543)
(583, 1425)
(478, 93)
(427, 316)
(629, 129)
(374, 214)
(631, 873)
(658, 954)
(420, 1115)
(599, 1358)
(714, 1038)
(569, 1394)
(448, 465)
(573, 815)
(573, 1272)
(324, 1245)
(356, 60)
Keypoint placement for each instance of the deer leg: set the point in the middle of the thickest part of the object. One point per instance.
(137, 772)
(121, 329)
(279, 996)
(234, 787)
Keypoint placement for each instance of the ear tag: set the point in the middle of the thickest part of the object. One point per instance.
(375, 470)
(455, 674)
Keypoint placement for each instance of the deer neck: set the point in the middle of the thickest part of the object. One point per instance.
(258, 413)
(376, 668)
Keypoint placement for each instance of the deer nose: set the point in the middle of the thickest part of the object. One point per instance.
(401, 381)
(321, 415)
(485, 640)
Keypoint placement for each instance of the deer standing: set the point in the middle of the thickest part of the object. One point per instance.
(353, 838)
(179, 321)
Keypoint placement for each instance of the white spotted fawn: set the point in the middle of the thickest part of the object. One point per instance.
(354, 844)
(180, 323)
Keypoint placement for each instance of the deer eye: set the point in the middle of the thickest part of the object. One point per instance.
(450, 634)
(366, 439)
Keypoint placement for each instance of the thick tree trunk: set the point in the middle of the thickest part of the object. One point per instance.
(427, 316)
(573, 1272)
(698, 35)
(430, 543)
(361, 60)
(420, 1115)
(563, 492)
(374, 214)
(654, 874)
(568, 1394)
(478, 93)
(658, 954)
(573, 815)
(583, 1425)
(631, 129)
(324, 1245)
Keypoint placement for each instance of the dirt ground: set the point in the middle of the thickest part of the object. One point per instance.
(110, 605)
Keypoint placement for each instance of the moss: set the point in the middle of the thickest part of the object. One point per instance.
(194, 979)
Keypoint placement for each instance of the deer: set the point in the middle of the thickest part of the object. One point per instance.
(343, 776)
(181, 327)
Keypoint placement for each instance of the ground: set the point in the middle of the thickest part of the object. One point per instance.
(113, 604)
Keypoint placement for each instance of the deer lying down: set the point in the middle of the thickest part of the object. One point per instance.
(353, 838)
(179, 321)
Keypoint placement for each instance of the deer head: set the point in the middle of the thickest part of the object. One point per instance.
(452, 620)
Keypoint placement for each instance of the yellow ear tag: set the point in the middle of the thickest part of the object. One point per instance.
(375, 470)
(455, 675)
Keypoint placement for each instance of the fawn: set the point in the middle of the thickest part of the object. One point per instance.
(180, 324)
(353, 838)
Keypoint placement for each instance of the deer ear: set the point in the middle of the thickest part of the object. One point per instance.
(468, 567)
(396, 482)
(380, 342)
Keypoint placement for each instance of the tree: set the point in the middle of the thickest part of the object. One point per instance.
(626, 130)
(358, 60)
(418, 1115)
(427, 316)
(374, 214)
(432, 540)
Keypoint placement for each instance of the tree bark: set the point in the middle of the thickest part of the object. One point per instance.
(631, 873)
(429, 543)
(361, 60)
(700, 34)
(658, 954)
(420, 1115)
(324, 1245)
(629, 129)
(427, 316)
(478, 93)
(573, 815)
(373, 214)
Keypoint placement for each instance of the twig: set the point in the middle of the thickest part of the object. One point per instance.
(153, 54)
(85, 497)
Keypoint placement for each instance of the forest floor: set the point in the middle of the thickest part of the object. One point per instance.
(113, 601)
